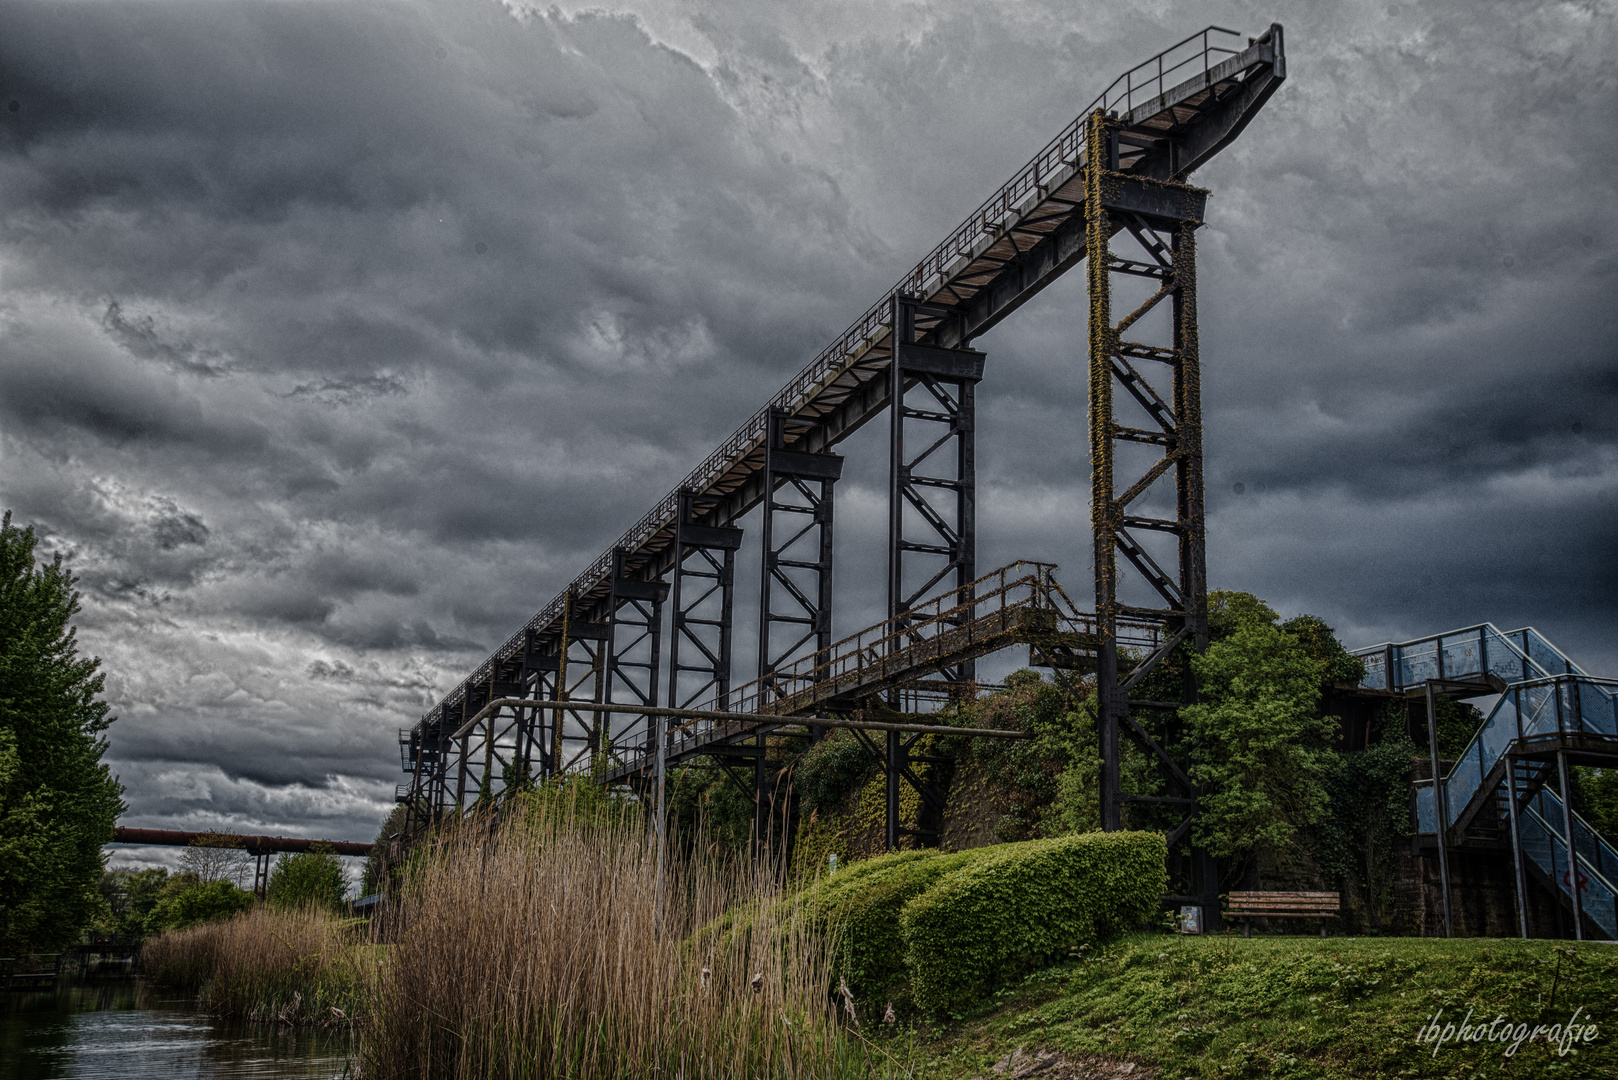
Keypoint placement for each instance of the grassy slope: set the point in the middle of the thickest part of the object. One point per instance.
(1291, 1007)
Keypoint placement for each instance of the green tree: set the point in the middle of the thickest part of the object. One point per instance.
(308, 878)
(1359, 841)
(1337, 664)
(186, 901)
(1257, 738)
(58, 802)
(132, 896)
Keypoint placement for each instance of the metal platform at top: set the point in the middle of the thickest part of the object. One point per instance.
(1176, 111)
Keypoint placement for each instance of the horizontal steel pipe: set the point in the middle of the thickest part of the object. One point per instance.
(710, 714)
(256, 844)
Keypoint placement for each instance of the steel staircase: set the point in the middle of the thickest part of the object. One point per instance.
(1547, 706)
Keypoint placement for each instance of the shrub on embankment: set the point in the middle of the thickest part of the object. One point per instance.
(941, 930)
(291, 967)
(544, 947)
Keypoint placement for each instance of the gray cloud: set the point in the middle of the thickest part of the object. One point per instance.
(336, 338)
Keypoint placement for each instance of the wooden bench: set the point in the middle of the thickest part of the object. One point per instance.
(12, 979)
(1286, 905)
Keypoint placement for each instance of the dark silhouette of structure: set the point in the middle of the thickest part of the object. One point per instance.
(572, 690)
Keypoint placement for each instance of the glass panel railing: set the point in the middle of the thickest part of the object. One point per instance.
(1463, 655)
(1549, 658)
(1426, 816)
(1542, 842)
(1538, 843)
(1592, 846)
(1593, 708)
(1416, 662)
(1468, 653)
(1506, 661)
(1463, 781)
(1537, 704)
(1376, 671)
(1492, 740)
(1581, 704)
(1498, 731)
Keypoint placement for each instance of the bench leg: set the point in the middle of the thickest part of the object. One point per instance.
(1247, 928)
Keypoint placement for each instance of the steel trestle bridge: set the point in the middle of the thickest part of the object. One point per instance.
(651, 623)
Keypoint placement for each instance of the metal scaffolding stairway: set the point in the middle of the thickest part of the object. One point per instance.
(1549, 714)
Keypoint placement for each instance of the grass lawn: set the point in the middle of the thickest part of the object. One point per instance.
(1290, 1007)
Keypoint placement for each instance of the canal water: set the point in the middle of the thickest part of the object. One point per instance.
(111, 1029)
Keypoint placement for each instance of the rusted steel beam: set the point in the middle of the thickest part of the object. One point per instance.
(258, 845)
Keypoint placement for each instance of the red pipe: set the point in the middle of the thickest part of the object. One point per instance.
(258, 845)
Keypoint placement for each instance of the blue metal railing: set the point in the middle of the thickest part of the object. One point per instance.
(1543, 842)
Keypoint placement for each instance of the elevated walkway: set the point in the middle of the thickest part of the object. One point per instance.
(1549, 713)
(1020, 604)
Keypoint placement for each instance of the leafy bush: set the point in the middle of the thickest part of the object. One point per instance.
(185, 901)
(1359, 843)
(131, 897)
(830, 771)
(1258, 740)
(1017, 906)
(311, 878)
(865, 902)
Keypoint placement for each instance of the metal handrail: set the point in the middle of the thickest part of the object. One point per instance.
(1065, 152)
(871, 646)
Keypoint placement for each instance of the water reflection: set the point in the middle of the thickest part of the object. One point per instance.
(110, 1029)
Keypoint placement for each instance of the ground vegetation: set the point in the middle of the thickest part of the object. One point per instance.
(543, 945)
(290, 966)
(1167, 1006)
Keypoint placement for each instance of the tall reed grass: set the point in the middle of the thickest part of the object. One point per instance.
(544, 947)
(292, 967)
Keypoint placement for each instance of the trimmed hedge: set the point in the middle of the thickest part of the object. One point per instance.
(865, 900)
(1021, 905)
(938, 931)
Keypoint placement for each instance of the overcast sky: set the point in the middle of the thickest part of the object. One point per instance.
(335, 338)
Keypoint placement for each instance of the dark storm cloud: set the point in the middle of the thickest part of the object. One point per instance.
(335, 338)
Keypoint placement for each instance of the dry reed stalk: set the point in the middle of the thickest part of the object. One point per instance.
(268, 965)
(539, 949)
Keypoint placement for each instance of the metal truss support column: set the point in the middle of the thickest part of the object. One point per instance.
(261, 874)
(1161, 217)
(795, 597)
(633, 652)
(438, 780)
(795, 592)
(932, 470)
(580, 676)
(538, 679)
(703, 593)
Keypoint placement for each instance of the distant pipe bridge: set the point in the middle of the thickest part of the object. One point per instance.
(647, 631)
